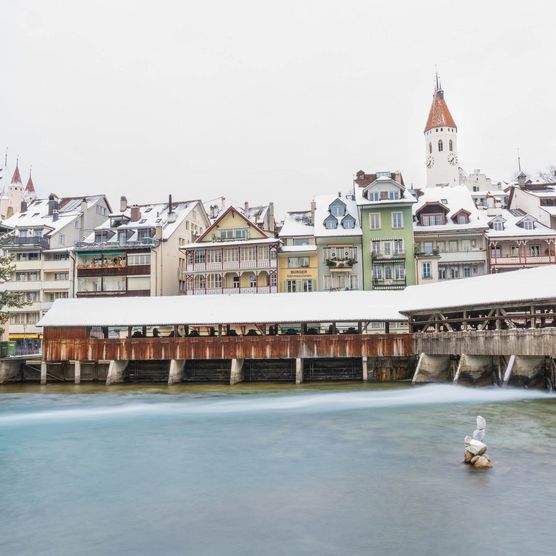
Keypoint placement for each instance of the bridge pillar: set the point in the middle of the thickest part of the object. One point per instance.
(116, 372)
(44, 369)
(431, 368)
(176, 371)
(298, 370)
(77, 372)
(365, 367)
(9, 371)
(236, 372)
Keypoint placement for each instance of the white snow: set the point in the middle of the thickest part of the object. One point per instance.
(322, 204)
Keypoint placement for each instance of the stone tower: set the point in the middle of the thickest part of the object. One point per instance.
(441, 142)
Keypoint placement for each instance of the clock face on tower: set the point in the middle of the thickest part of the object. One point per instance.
(430, 161)
(452, 159)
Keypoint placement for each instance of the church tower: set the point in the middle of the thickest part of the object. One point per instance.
(441, 142)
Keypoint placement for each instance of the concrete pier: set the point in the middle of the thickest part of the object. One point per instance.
(177, 367)
(44, 370)
(9, 371)
(432, 368)
(77, 372)
(236, 371)
(116, 372)
(365, 368)
(298, 370)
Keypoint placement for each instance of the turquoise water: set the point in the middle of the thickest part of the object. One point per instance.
(327, 470)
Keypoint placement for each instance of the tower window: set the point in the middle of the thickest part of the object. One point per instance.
(430, 147)
(451, 145)
(440, 146)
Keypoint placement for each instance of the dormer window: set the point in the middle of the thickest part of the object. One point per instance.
(498, 226)
(337, 208)
(393, 195)
(528, 225)
(373, 195)
(331, 223)
(462, 219)
(348, 222)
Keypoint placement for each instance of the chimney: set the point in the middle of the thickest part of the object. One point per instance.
(135, 214)
(169, 203)
(158, 233)
(172, 217)
(23, 206)
(83, 205)
(246, 207)
(339, 193)
(52, 204)
(313, 208)
(55, 215)
(123, 204)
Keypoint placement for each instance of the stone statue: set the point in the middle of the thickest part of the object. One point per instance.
(475, 448)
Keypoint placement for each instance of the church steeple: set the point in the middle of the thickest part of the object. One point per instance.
(441, 135)
(16, 178)
(30, 187)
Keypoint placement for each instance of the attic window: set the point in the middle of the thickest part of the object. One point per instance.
(498, 226)
(158, 220)
(444, 201)
(148, 209)
(331, 223)
(528, 224)
(348, 222)
(142, 221)
(462, 219)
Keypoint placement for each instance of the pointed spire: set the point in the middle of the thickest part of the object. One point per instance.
(16, 178)
(30, 188)
(439, 115)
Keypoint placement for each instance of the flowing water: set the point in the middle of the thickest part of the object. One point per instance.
(274, 470)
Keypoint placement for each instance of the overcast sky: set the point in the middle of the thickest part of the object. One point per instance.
(260, 101)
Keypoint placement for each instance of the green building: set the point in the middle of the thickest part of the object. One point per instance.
(385, 212)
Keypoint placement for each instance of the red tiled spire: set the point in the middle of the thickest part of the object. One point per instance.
(30, 188)
(439, 115)
(16, 178)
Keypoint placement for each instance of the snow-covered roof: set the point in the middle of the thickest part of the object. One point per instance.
(405, 197)
(208, 244)
(36, 215)
(297, 224)
(527, 285)
(454, 198)
(216, 207)
(272, 308)
(151, 216)
(511, 218)
(550, 210)
(322, 212)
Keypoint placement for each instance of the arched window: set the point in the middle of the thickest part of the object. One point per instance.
(451, 145)
(440, 146)
(430, 147)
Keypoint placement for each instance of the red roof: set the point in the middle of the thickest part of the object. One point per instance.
(16, 178)
(439, 115)
(30, 188)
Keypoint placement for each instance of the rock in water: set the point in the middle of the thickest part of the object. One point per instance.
(479, 434)
(481, 462)
(476, 447)
(468, 457)
(481, 423)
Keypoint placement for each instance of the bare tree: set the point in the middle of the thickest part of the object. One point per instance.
(548, 175)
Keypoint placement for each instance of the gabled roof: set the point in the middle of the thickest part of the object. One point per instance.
(432, 203)
(229, 210)
(439, 114)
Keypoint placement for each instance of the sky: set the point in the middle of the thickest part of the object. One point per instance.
(264, 101)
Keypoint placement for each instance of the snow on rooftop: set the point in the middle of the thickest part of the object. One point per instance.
(297, 223)
(525, 285)
(322, 212)
(512, 218)
(235, 309)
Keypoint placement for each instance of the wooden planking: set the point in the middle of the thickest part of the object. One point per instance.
(242, 347)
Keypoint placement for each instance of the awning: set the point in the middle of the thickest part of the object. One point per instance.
(34, 336)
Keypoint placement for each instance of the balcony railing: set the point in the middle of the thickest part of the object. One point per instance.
(523, 260)
(232, 291)
(432, 253)
(31, 241)
(340, 264)
(101, 245)
(389, 283)
(383, 256)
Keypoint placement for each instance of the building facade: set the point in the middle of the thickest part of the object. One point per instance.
(385, 214)
(441, 143)
(298, 263)
(15, 196)
(232, 256)
(536, 199)
(338, 238)
(136, 251)
(518, 240)
(449, 234)
(42, 246)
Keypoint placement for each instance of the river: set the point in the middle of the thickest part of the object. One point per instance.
(274, 470)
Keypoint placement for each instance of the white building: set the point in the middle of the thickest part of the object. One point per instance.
(536, 199)
(441, 143)
(44, 236)
(12, 196)
(449, 235)
(136, 251)
(338, 237)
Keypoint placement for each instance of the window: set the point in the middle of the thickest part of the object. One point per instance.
(397, 220)
(199, 282)
(235, 282)
(61, 239)
(377, 272)
(475, 188)
(231, 255)
(338, 209)
(426, 270)
(248, 253)
(199, 256)
(330, 223)
(451, 145)
(528, 224)
(29, 297)
(273, 279)
(399, 271)
(442, 273)
(214, 281)
(427, 247)
(298, 262)
(348, 222)
(26, 276)
(534, 250)
(441, 246)
(214, 255)
(291, 286)
(466, 245)
(61, 276)
(388, 272)
(252, 281)
(466, 271)
(373, 195)
(375, 247)
(498, 226)
(28, 256)
(387, 247)
(440, 146)
(101, 210)
(77, 224)
(139, 259)
(393, 195)
(53, 296)
(234, 234)
(300, 241)
(374, 221)
(495, 251)
(307, 285)
(430, 147)
(398, 246)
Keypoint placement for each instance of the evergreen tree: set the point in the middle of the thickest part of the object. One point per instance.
(8, 300)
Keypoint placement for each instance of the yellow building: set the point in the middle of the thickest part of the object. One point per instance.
(298, 265)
